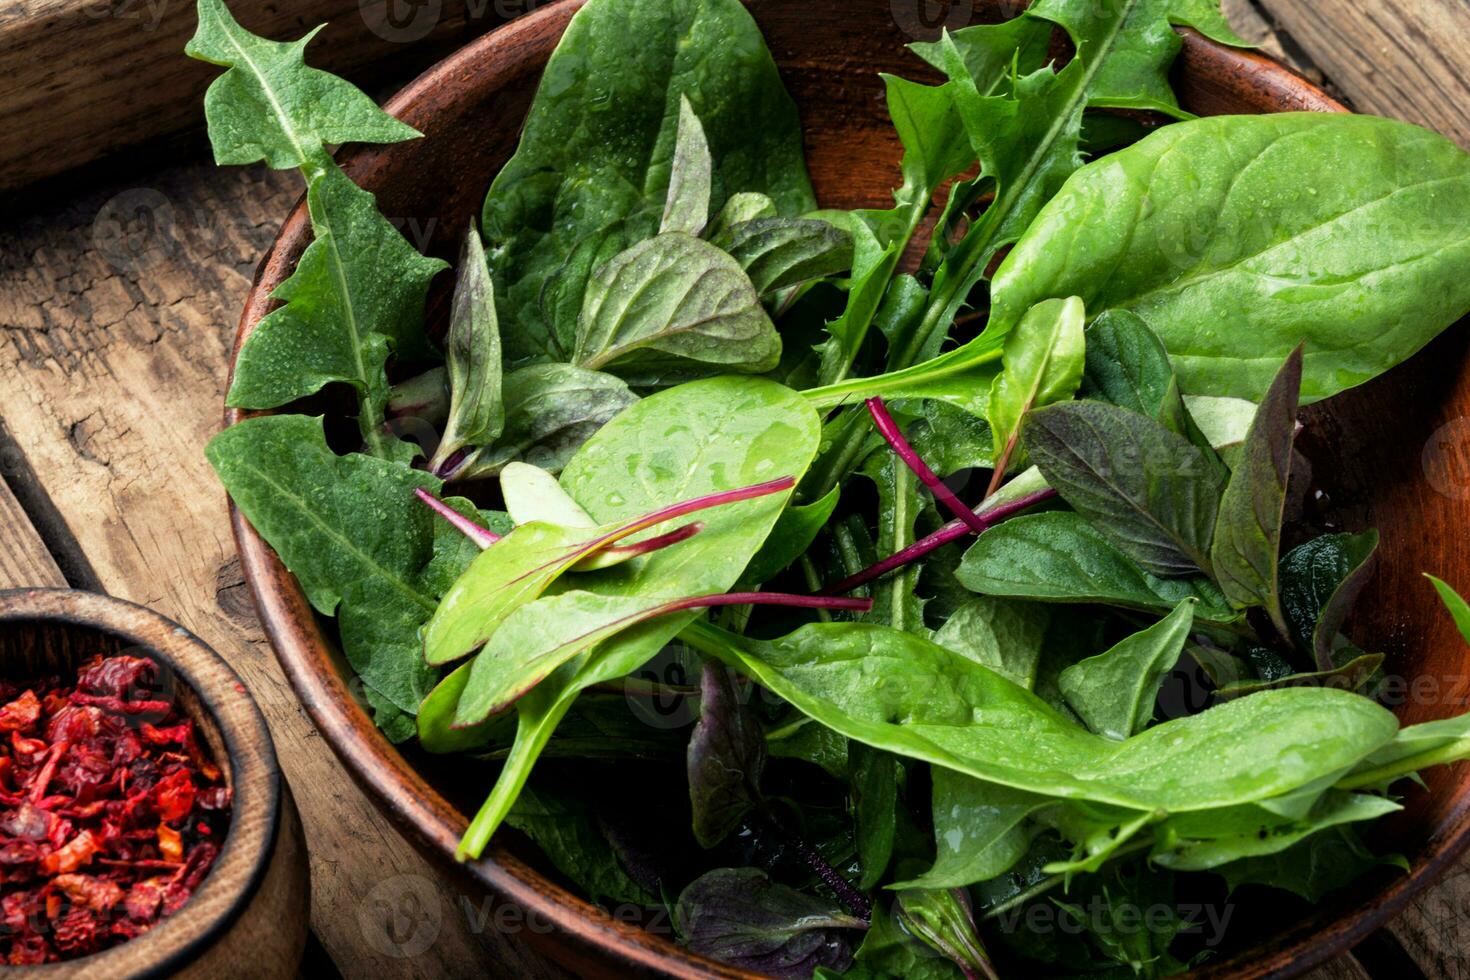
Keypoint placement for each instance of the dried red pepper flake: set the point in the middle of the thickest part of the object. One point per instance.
(21, 713)
(110, 810)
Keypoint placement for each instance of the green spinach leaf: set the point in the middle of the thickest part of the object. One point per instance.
(679, 296)
(1238, 237)
(1114, 692)
(596, 153)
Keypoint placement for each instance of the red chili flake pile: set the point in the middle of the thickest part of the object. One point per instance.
(111, 812)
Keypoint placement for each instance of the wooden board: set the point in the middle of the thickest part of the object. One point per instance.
(117, 312)
(24, 560)
(1409, 59)
(81, 78)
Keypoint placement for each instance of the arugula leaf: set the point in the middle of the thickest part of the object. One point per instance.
(1043, 360)
(1362, 257)
(1318, 582)
(726, 757)
(356, 294)
(1151, 492)
(679, 296)
(472, 357)
(270, 106)
(550, 410)
(741, 917)
(929, 707)
(351, 531)
(1061, 557)
(1247, 545)
(593, 167)
(1114, 692)
(690, 175)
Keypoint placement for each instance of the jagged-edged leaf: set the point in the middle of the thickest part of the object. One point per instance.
(356, 295)
(270, 106)
(351, 531)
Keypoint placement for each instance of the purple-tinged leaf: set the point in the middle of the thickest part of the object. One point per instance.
(1247, 544)
(1318, 582)
(727, 755)
(741, 917)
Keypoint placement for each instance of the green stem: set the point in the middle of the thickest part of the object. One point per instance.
(532, 734)
(910, 381)
(1047, 884)
(1407, 766)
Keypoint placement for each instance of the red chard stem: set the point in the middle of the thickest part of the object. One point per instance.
(479, 535)
(888, 428)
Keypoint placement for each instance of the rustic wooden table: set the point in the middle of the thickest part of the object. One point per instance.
(120, 286)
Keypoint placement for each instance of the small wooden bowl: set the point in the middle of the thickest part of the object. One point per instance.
(470, 109)
(249, 917)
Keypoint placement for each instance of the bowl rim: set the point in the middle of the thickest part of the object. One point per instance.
(435, 825)
(250, 842)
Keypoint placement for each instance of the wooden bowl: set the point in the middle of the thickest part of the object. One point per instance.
(249, 917)
(470, 109)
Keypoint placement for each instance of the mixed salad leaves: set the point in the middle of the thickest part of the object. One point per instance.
(700, 561)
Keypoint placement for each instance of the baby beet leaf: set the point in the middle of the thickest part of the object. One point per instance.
(678, 296)
(726, 757)
(1151, 492)
(1043, 361)
(1459, 609)
(357, 294)
(1318, 582)
(472, 359)
(741, 917)
(528, 560)
(687, 207)
(620, 473)
(535, 639)
(1247, 545)
(270, 106)
(888, 428)
(1114, 692)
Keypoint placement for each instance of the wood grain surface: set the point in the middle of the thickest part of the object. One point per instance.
(118, 298)
(85, 77)
(117, 311)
